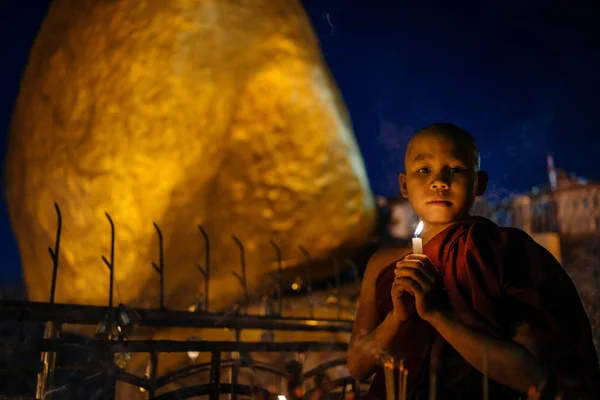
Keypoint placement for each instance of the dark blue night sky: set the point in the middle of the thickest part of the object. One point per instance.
(521, 76)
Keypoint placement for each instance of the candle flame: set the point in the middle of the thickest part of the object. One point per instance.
(419, 229)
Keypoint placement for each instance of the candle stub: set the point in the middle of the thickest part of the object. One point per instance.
(417, 242)
(417, 245)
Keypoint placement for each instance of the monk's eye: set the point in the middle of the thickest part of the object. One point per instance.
(457, 169)
(424, 170)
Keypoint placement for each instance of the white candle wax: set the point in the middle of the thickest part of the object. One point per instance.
(417, 244)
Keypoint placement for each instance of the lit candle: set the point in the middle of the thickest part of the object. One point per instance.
(404, 384)
(433, 368)
(388, 368)
(400, 378)
(417, 242)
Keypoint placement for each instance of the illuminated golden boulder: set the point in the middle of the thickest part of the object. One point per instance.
(219, 113)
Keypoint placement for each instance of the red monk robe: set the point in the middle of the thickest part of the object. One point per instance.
(494, 277)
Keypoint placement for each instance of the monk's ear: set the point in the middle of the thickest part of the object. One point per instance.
(402, 181)
(482, 182)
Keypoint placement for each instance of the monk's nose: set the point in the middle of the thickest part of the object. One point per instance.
(440, 182)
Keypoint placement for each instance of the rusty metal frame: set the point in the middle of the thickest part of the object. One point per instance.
(54, 316)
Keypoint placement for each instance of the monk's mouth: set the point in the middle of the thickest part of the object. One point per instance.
(442, 203)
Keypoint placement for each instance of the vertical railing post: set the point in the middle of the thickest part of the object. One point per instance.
(45, 378)
(242, 277)
(152, 374)
(338, 297)
(308, 259)
(46, 375)
(356, 388)
(206, 270)
(279, 276)
(235, 356)
(55, 252)
(344, 384)
(111, 264)
(160, 268)
(215, 375)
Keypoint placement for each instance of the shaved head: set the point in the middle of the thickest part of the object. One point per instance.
(460, 136)
(443, 175)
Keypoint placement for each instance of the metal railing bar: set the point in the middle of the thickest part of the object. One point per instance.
(203, 390)
(173, 346)
(90, 315)
(205, 367)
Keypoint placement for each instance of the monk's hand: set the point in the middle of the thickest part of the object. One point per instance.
(416, 275)
(403, 302)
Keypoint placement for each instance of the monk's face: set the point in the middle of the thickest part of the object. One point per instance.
(441, 179)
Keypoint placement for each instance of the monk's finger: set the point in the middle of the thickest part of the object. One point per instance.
(416, 265)
(416, 275)
(396, 281)
(413, 261)
(397, 290)
(409, 263)
(397, 287)
(411, 286)
(425, 261)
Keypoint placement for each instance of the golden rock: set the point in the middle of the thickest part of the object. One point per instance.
(220, 113)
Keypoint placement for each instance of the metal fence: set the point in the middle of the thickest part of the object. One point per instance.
(114, 323)
(57, 315)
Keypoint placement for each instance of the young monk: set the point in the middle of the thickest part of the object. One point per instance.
(480, 292)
